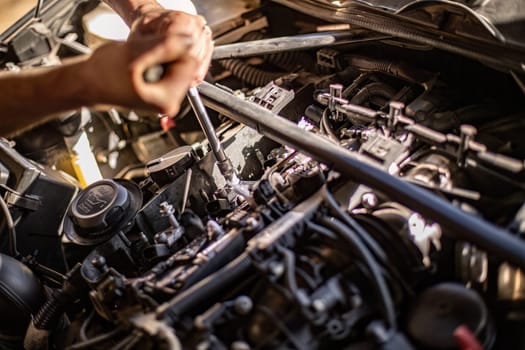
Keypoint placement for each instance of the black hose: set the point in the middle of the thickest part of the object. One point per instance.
(85, 326)
(99, 339)
(11, 229)
(206, 290)
(398, 70)
(384, 296)
(326, 127)
(249, 74)
(129, 342)
(51, 311)
(289, 259)
(359, 230)
(369, 91)
(286, 60)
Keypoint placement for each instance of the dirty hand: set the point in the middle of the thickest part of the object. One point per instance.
(114, 72)
(169, 22)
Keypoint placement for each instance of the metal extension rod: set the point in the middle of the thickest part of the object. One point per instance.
(223, 162)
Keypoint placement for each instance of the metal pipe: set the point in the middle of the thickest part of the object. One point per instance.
(223, 162)
(206, 124)
(275, 45)
(291, 43)
(359, 168)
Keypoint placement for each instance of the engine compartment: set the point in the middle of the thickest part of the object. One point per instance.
(379, 205)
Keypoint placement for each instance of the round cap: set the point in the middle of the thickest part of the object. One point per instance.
(102, 210)
(441, 309)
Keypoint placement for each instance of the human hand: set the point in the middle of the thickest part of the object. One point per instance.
(168, 22)
(114, 72)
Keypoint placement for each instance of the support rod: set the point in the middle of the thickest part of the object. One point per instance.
(292, 43)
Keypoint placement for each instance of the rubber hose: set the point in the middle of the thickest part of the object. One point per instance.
(372, 90)
(249, 74)
(286, 60)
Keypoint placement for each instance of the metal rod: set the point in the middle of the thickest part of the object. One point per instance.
(291, 43)
(462, 225)
(276, 45)
(206, 124)
(223, 162)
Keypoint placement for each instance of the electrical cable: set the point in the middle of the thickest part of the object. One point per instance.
(85, 325)
(363, 235)
(381, 289)
(326, 127)
(88, 344)
(11, 228)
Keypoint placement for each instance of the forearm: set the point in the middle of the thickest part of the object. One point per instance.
(130, 10)
(31, 97)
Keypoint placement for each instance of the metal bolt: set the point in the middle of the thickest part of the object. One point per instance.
(395, 110)
(243, 305)
(319, 305)
(167, 210)
(336, 91)
(100, 263)
(369, 200)
(467, 134)
(161, 238)
(276, 268)
(252, 222)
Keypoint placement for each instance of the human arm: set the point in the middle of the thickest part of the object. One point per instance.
(146, 17)
(111, 75)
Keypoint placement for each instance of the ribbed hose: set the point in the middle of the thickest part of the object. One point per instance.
(50, 312)
(249, 74)
(254, 76)
(399, 70)
(286, 60)
(369, 91)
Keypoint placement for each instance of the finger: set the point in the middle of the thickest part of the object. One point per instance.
(179, 22)
(157, 50)
(202, 47)
(170, 91)
(204, 64)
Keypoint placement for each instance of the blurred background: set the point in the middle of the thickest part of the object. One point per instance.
(11, 10)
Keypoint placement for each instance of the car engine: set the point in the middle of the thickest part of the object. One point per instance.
(357, 186)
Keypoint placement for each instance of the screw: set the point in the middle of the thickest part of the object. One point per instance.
(335, 96)
(100, 263)
(319, 305)
(167, 210)
(276, 268)
(243, 305)
(467, 133)
(369, 200)
(395, 110)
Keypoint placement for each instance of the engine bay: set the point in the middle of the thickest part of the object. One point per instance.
(360, 191)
